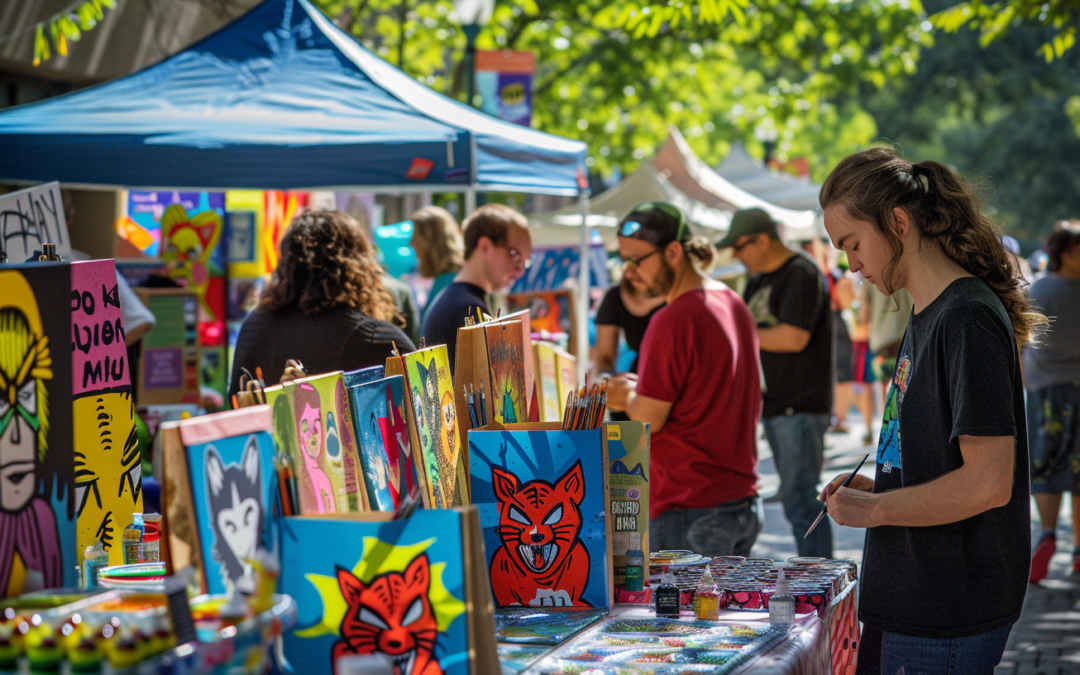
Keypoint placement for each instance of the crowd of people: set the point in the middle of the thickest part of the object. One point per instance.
(918, 292)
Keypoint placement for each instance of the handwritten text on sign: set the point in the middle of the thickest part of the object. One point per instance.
(30, 218)
(98, 350)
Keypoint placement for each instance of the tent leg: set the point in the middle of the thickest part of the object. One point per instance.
(470, 203)
(583, 291)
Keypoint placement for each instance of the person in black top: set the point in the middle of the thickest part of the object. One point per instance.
(948, 518)
(622, 309)
(326, 305)
(498, 246)
(789, 298)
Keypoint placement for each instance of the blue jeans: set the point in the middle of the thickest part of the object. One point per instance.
(798, 447)
(975, 655)
(727, 529)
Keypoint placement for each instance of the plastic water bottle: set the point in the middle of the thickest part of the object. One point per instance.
(782, 603)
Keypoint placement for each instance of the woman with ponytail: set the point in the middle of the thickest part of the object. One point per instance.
(948, 519)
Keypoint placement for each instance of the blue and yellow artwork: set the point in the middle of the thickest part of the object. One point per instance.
(230, 458)
(541, 497)
(382, 434)
(395, 587)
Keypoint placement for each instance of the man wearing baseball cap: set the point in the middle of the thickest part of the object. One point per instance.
(789, 299)
(697, 385)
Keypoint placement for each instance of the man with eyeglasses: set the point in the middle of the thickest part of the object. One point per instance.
(697, 385)
(498, 247)
(789, 298)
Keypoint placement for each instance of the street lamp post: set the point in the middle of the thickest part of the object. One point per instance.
(473, 14)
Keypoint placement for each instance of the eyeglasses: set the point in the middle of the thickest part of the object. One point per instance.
(518, 259)
(739, 247)
(634, 263)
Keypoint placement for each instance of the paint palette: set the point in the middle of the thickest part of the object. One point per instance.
(543, 626)
(515, 658)
(660, 646)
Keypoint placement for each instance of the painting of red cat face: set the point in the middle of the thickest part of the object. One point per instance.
(391, 615)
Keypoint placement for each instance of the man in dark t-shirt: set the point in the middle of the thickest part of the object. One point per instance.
(698, 386)
(497, 251)
(789, 298)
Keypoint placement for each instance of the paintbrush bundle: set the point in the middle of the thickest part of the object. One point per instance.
(585, 408)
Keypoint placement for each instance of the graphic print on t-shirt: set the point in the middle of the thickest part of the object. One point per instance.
(759, 308)
(889, 446)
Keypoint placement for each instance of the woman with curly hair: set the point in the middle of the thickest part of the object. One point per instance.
(948, 519)
(326, 304)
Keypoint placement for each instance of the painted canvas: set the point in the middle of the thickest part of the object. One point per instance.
(37, 521)
(547, 375)
(431, 392)
(566, 368)
(328, 440)
(396, 587)
(378, 409)
(108, 463)
(506, 360)
(628, 481)
(541, 496)
(355, 377)
(230, 461)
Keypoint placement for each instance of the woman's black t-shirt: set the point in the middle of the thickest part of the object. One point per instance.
(340, 339)
(958, 373)
(613, 312)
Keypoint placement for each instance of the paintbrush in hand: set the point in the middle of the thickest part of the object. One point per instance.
(847, 481)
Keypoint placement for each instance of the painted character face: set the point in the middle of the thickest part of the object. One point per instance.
(24, 367)
(236, 509)
(108, 467)
(311, 431)
(539, 522)
(392, 615)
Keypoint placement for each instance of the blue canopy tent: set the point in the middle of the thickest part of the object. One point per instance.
(281, 99)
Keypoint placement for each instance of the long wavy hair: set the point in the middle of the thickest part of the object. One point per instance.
(444, 248)
(872, 183)
(327, 262)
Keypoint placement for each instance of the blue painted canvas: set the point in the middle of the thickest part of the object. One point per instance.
(395, 587)
(364, 375)
(233, 486)
(541, 497)
(379, 419)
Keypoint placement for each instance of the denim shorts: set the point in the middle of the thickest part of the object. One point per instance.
(1053, 415)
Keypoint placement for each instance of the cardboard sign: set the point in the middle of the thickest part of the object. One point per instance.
(413, 589)
(628, 505)
(108, 462)
(541, 493)
(30, 218)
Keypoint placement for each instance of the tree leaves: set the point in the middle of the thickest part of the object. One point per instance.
(994, 18)
(66, 26)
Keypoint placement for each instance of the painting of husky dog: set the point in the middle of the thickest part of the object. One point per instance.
(230, 459)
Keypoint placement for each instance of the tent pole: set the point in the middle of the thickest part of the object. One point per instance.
(583, 291)
(470, 202)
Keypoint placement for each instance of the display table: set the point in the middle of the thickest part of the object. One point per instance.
(819, 643)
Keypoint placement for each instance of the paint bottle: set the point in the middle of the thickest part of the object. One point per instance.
(94, 558)
(151, 543)
(782, 603)
(635, 564)
(667, 596)
(706, 598)
(132, 540)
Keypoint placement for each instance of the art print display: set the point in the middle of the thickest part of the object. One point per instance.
(37, 518)
(566, 368)
(383, 438)
(551, 407)
(542, 496)
(327, 445)
(431, 396)
(543, 626)
(230, 462)
(108, 462)
(628, 480)
(506, 362)
(395, 587)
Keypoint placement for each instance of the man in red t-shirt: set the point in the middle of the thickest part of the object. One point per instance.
(698, 385)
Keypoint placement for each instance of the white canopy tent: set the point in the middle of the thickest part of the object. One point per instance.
(560, 228)
(746, 173)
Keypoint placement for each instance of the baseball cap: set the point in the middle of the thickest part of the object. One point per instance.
(658, 223)
(746, 222)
